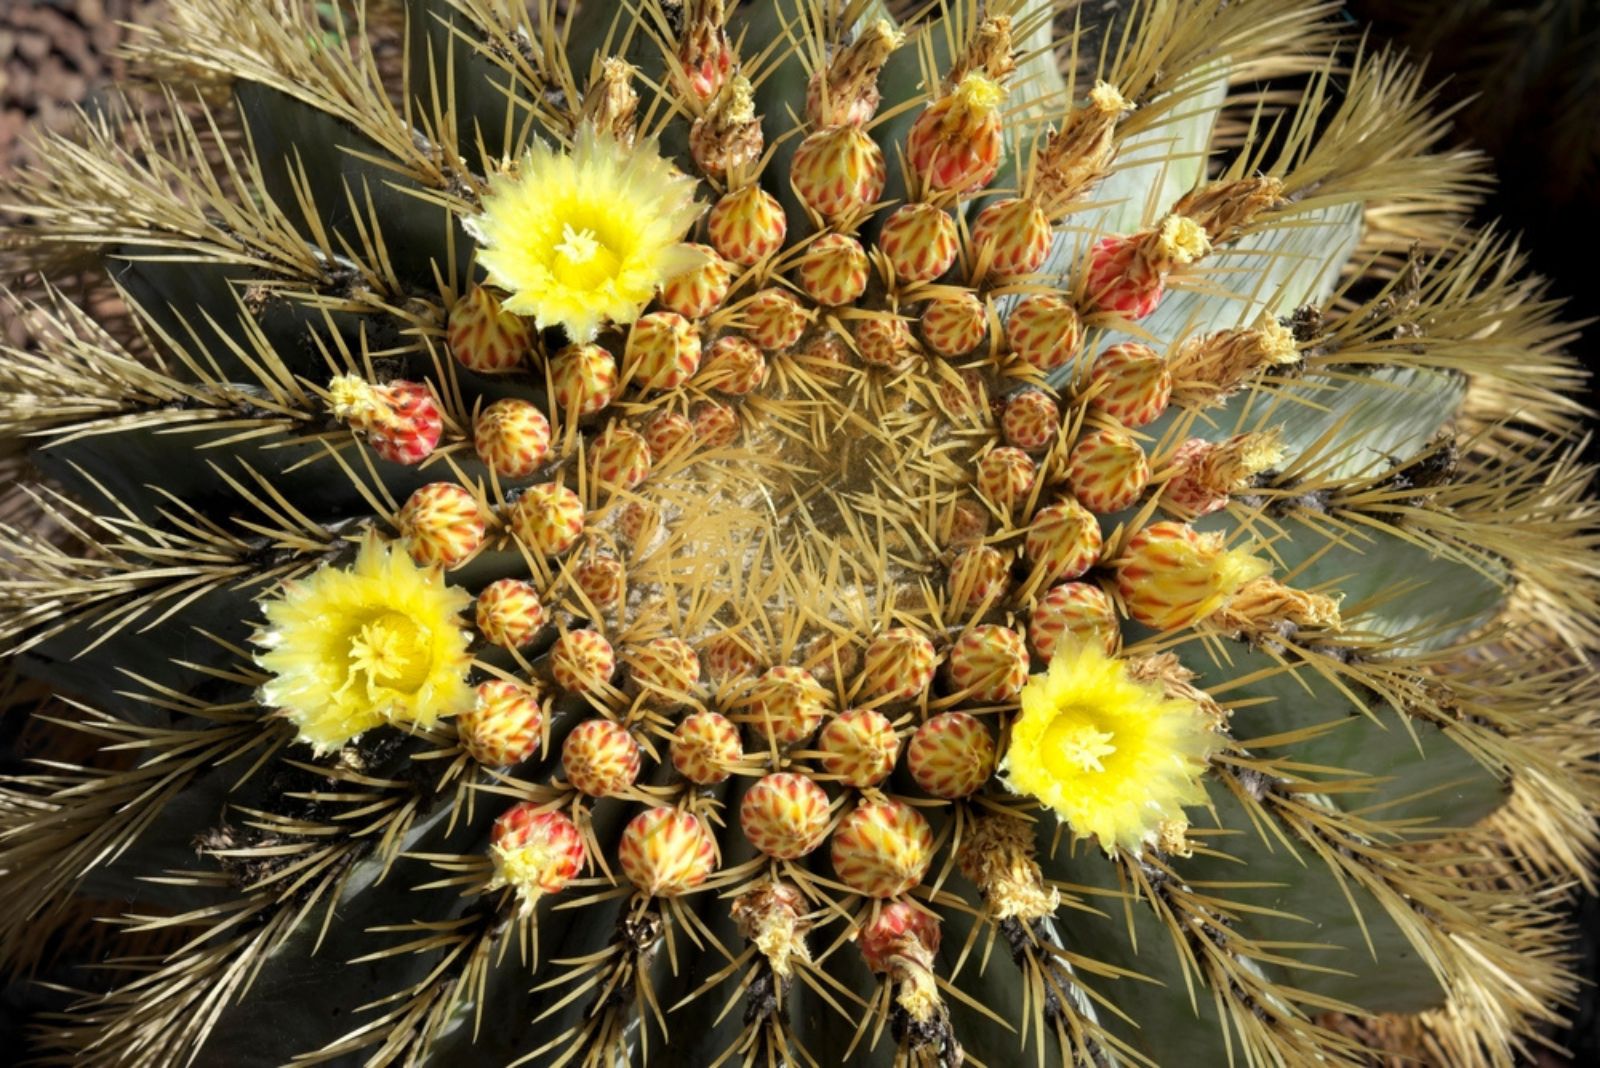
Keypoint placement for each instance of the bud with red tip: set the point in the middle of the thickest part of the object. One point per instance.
(955, 145)
(1127, 275)
(534, 853)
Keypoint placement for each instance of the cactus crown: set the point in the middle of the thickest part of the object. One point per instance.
(721, 515)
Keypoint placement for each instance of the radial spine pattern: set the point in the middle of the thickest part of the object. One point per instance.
(710, 533)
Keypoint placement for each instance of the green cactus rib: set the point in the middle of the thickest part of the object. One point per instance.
(1402, 786)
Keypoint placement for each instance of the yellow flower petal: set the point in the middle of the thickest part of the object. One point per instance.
(582, 239)
(350, 649)
(1113, 757)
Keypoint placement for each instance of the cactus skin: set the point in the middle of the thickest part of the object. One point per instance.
(756, 588)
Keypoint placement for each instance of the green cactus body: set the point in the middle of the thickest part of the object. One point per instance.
(774, 537)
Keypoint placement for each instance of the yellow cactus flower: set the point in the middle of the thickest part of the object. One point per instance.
(578, 239)
(352, 648)
(1113, 757)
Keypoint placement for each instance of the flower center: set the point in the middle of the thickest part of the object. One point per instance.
(392, 652)
(583, 261)
(579, 246)
(1073, 746)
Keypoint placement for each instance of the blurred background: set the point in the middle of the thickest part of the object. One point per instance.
(1523, 76)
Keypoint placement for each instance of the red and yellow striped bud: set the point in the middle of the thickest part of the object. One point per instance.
(1130, 382)
(954, 326)
(1107, 471)
(666, 852)
(547, 518)
(885, 341)
(899, 666)
(602, 580)
(512, 437)
(1005, 477)
(638, 522)
(859, 747)
(747, 225)
(826, 356)
(727, 659)
(502, 726)
(838, 171)
(705, 747)
(882, 849)
(1063, 541)
(583, 379)
(663, 351)
(735, 366)
(833, 270)
(1078, 611)
(1012, 236)
(401, 420)
(978, 575)
(956, 145)
(784, 815)
(715, 425)
(1169, 575)
(582, 662)
(620, 458)
(774, 319)
(920, 242)
(696, 293)
(600, 757)
(1044, 331)
(786, 704)
(990, 663)
(668, 434)
(951, 755)
(509, 613)
(901, 931)
(667, 669)
(1209, 473)
(485, 338)
(442, 523)
(969, 522)
(1126, 276)
(1031, 420)
(534, 853)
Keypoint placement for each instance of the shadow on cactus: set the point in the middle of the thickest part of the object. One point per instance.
(701, 534)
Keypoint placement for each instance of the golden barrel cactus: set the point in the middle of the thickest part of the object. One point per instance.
(706, 533)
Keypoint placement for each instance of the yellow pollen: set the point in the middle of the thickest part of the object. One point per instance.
(1072, 745)
(579, 246)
